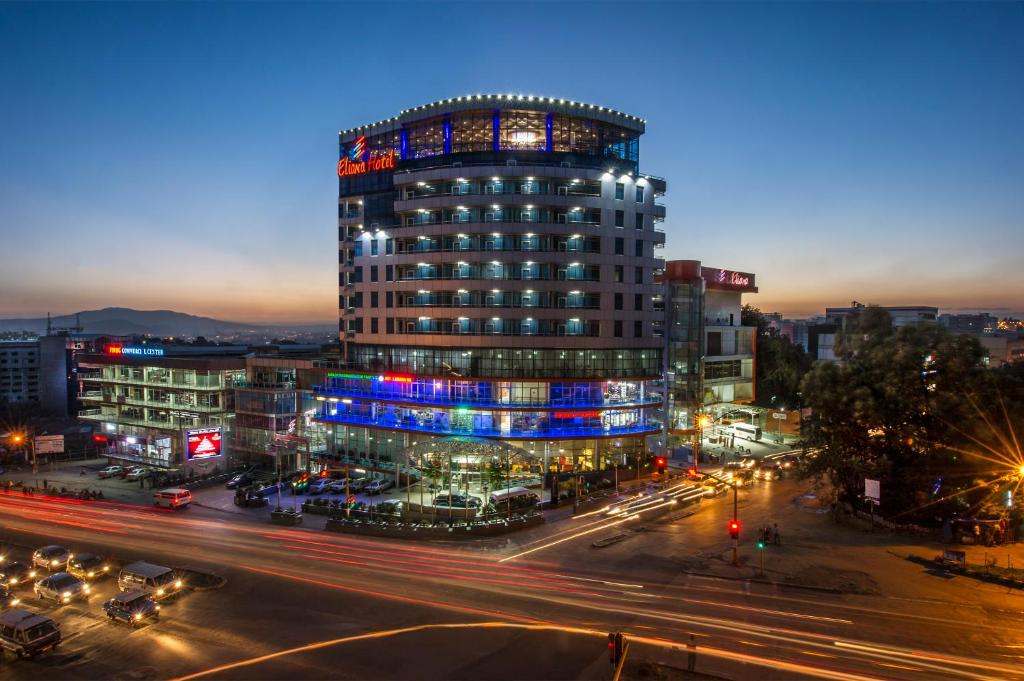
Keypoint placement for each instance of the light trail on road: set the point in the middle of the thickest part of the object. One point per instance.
(788, 666)
(517, 593)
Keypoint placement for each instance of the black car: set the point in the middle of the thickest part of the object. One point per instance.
(88, 566)
(240, 480)
(17, 574)
(132, 607)
(8, 599)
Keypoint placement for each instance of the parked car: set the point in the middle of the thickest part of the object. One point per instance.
(8, 598)
(88, 566)
(51, 557)
(137, 472)
(379, 485)
(132, 607)
(111, 471)
(240, 480)
(320, 486)
(456, 501)
(27, 634)
(16, 574)
(61, 588)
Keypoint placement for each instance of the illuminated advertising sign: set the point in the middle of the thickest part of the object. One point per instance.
(360, 160)
(135, 350)
(203, 443)
(577, 414)
(732, 278)
(387, 378)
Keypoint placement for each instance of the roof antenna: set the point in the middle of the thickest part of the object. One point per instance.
(49, 328)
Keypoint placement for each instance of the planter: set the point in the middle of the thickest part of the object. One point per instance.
(285, 518)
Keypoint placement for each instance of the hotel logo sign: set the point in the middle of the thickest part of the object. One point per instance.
(359, 160)
(730, 278)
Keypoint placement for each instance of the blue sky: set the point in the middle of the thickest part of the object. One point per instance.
(182, 155)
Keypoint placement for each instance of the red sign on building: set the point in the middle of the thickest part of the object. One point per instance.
(203, 443)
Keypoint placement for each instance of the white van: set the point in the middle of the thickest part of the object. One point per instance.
(156, 580)
(517, 497)
(172, 498)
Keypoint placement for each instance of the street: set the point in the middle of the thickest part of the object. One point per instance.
(541, 615)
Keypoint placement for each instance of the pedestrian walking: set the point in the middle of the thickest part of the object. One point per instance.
(691, 654)
(776, 539)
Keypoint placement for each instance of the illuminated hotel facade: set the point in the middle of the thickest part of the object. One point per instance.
(497, 278)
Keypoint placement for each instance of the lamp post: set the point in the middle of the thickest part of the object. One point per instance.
(26, 438)
(703, 421)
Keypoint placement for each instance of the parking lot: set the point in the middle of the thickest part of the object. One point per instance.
(88, 635)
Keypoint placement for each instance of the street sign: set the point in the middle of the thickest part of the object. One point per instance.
(872, 490)
(780, 416)
(50, 444)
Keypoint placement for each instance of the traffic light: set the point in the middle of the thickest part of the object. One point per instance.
(660, 462)
(734, 528)
(760, 544)
(615, 648)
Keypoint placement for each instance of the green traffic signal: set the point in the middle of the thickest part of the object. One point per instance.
(760, 544)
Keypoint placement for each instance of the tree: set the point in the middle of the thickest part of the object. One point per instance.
(896, 407)
(780, 365)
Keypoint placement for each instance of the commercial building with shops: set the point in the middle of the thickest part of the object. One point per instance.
(166, 407)
(275, 409)
(709, 352)
(497, 271)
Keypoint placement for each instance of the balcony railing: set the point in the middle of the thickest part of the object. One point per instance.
(505, 404)
(171, 423)
(121, 380)
(151, 404)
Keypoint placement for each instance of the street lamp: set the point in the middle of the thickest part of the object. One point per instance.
(703, 421)
(20, 439)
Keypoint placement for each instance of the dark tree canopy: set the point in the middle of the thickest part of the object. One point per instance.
(905, 406)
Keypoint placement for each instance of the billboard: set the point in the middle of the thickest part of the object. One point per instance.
(49, 444)
(203, 443)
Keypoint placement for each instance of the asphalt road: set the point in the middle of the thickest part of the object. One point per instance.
(302, 603)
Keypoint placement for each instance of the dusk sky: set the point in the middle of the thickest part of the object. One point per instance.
(183, 156)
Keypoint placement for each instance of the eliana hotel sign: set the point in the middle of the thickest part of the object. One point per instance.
(728, 279)
(360, 160)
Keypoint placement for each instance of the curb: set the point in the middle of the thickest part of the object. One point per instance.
(769, 582)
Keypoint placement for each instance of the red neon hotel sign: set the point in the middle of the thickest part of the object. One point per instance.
(360, 160)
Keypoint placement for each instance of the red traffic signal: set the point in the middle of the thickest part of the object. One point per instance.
(734, 528)
(616, 644)
(660, 462)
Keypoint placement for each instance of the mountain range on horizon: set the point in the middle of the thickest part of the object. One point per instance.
(123, 321)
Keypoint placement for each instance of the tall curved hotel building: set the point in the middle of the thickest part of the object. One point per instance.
(497, 264)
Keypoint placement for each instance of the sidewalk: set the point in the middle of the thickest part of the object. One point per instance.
(68, 474)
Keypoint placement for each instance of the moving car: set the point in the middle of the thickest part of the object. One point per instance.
(61, 588)
(27, 634)
(111, 471)
(379, 485)
(8, 599)
(767, 470)
(88, 566)
(16, 573)
(51, 557)
(156, 580)
(172, 498)
(132, 607)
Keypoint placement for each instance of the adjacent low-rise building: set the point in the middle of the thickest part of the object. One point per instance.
(157, 408)
(709, 351)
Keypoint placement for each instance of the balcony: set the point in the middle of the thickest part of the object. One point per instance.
(541, 430)
(170, 423)
(121, 380)
(97, 396)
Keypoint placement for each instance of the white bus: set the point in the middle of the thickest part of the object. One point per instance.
(745, 431)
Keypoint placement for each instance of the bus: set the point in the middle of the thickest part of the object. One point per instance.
(745, 431)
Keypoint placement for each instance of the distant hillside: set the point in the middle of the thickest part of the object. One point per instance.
(122, 321)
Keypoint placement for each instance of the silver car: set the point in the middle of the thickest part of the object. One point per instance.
(51, 557)
(61, 588)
